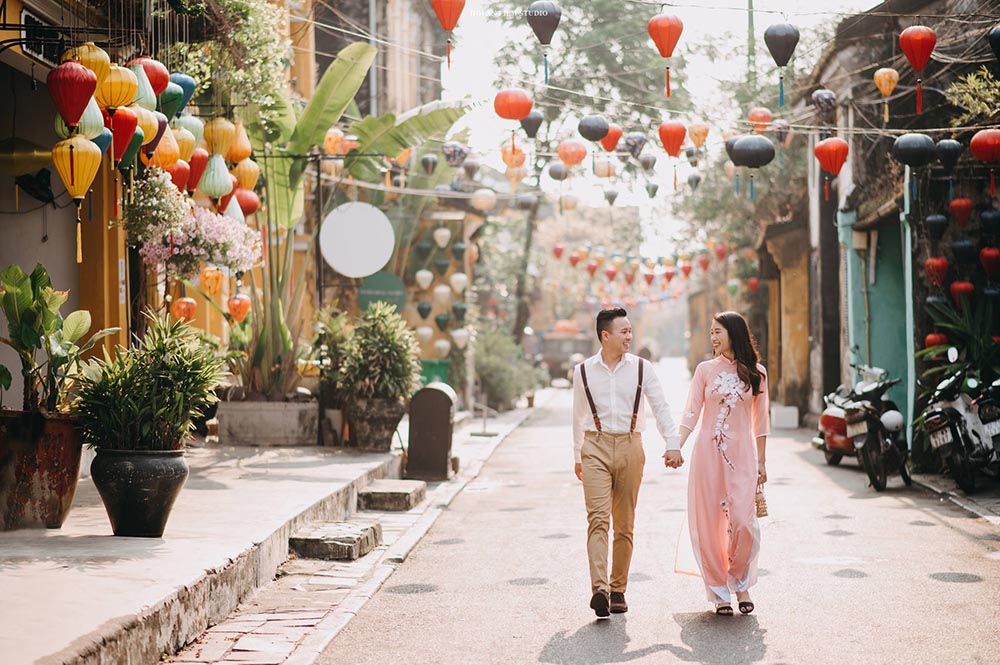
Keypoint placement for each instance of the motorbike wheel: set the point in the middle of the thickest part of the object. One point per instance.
(962, 471)
(904, 473)
(833, 459)
(873, 462)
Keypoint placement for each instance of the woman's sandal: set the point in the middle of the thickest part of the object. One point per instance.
(724, 609)
(746, 607)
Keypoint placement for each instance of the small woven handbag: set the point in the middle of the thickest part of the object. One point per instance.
(760, 501)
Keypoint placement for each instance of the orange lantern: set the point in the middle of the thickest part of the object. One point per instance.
(665, 31)
(238, 307)
(448, 12)
(185, 142)
(240, 148)
(248, 201)
(211, 279)
(512, 104)
(571, 152)
(167, 152)
(886, 79)
(512, 155)
(333, 141)
(184, 308)
(247, 173)
(698, 132)
(759, 118)
(672, 136)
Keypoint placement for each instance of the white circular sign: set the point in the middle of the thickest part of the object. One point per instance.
(356, 239)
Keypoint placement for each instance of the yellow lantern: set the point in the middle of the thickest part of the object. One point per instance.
(77, 160)
(166, 154)
(247, 172)
(185, 142)
(240, 148)
(886, 79)
(191, 123)
(211, 279)
(119, 88)
(698, 132)
(147, 122)
(219, 135)
(91, 56)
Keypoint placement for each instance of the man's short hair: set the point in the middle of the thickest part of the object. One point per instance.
(606, 316)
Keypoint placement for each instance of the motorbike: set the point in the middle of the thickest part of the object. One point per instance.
(861, 422)
(962, 422)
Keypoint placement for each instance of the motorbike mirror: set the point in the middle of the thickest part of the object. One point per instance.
(952, 354)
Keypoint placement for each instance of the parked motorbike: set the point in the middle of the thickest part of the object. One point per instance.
(862, 423)
(963, 425)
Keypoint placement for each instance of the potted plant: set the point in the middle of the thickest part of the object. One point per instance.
(380, 369)
(136, 408)
(40, 445)
(329, 343)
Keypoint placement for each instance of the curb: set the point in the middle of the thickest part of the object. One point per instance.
(962, 502)
(314, 644)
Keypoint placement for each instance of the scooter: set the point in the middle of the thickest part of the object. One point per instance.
(874, 424)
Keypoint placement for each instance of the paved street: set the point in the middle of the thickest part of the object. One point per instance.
(847, 575)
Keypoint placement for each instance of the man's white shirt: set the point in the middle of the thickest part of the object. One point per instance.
(613, 391)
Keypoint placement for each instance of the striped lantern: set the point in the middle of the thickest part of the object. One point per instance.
(216, 181)
(185, 142)
(166, 154)
(240, 148)
(191, 123)
(90, 125)
(146, 121)
(91, 56)
(118, 89)
(144, 95)
(219, 135)
(247, 173)
(77, 160)
(156, 73)
(71, 86)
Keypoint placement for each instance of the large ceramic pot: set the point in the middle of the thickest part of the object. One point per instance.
(138, 488)
(39, 469)
(373, 421)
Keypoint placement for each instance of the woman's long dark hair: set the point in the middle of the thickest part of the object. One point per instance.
(744, 348)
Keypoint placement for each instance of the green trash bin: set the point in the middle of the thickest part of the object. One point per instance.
(434, 370)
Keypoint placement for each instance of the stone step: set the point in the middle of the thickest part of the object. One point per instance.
(392, 495)
(337, 541)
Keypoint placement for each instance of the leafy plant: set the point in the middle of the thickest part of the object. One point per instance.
(382, 358)
(970, 331)
(34, 324)
(332, 335)
(501, 368)
(144, 397)
(977, 93)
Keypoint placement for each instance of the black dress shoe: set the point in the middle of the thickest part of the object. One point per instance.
(618, 604)
(599, 603)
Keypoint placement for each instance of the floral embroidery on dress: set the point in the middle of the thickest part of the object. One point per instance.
(730, 389)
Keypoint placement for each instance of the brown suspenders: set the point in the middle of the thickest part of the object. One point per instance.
(593, 408)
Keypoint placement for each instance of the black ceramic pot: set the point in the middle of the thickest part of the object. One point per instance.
(139, 488)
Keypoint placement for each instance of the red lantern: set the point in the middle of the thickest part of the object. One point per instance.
(753, 283)
(180, 173)
(917, 43)
(649, 278)
(592, 267)
(961, 210)
(686, 269)
(665, 31)
(629, 278)
(831, 153)
(720, 252)
(985, 147)
(610, 273)
(122, 125)
(571, 152)
(71, 86)
(703, 261)
(448, 12)
(937, 269)
(989, 257)
(512, 104)
(248, 200)
(238, 307)
(184, 308)
(574, 258)
(960, 288)
(557, 251)
(935, 339)
(226, 198)
(610, 140)
(672, 136)
(198, 163)
(669, 275)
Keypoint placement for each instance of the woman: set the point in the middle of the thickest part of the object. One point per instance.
(730, 393)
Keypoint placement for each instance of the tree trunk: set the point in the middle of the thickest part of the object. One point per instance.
(523, 312)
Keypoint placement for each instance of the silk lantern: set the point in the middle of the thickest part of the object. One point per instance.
(211, 279)
(156, 72)
(512, 104)
(71, 86)
(571, 152)
(225, 199)
(948, 153)
(91, 122)
(886, 79)
(219, 135)
(442, 346)
(130, 151)
(77, 160)
(170, 100)
(248, 200)
(781, 40)
(198, 163)
(825, 103)
(961, 210)
(167, 152)
(698, 132)
(247, 173)
(484, 199)
(146, 120)
(831, 153)
(760, 118)
(180, 173)
(216, 181)
(543, 17)
(985, 146)
(91, 56)
(448, 13)
(665, 30)
(423, 278)
(240, 148)
(917, 43)
(184, 308)
(753, 151)
(161, 128)
(118, 89)
(144, 95)
(185, 142)
(915, 150)
(425, 334)
(233, 210)
(191, 123)
(459, 281)
(238, 306)
(610, 140)
(187, 84)
(593, 127)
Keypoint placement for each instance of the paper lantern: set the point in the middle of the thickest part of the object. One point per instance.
(211, 279)
(118, 89)
(91, 122)
(424, 334)
(238, 306)
(191, 123)
(423, 278)
(144, 95)
(91, 56)
(461, 337)
(187, 84)
(604, 168)
(989, 258)
(441, 236)
(228, 196)
(233, 211)
(219, 135)
(240, 148)
(145, 120)
(442, 295)
(170, 100)
(652, 188)
(831, 153)
(593, 127)
(248, 201)
(131, 150)
(665, 30)
(448, 13)
(184, 308)
(961, 288)
(198, 163)
(781, 39)
(512, 104)
(985, 146)
(936, 226)
(568, 201)
(753, 284)
(71, 86)
(77, 160)
(247, 173)
(647, 161)
(825, 103)
(935, 339)
(333, 141)
(185, 142)
(454, 153)
(166, 153)
(161, 127)
(512, 155)
(442, 347)
(760, 118)
(961, 210)
(484, 199)
(572, 152)
(156, 73)
(180, 173)
(753, 151)
(886, 79)
(459, 281)
(917, 43)
(610, 140)
(672, 136)
(216, 181)
(698, 132)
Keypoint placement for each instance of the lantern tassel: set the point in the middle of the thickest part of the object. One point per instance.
(449, 53)
(920, 96)
(17, 199)
(545, 61)
(751, 186)
(675, 177)
(781, 90)
(914, 186)
(951, 189)
(79, 242)
(668, 81)
(826, 188)
(885, 112)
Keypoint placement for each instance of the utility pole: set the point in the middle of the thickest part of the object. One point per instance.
(520, 297)
(751, 47)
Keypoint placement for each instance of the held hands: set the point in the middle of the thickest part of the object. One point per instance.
(672, 459)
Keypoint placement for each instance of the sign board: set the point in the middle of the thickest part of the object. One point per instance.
(356, 239)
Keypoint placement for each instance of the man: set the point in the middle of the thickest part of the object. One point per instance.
(608, 421)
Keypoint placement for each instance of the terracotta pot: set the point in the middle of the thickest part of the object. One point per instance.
(138, 488)
(374, 421)
(39, 469)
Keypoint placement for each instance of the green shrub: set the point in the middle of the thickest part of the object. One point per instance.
(382, 358)
(501, 368)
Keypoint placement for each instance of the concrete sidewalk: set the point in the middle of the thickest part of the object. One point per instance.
(80, 595)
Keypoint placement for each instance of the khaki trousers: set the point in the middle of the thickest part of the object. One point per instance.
(612, 472)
